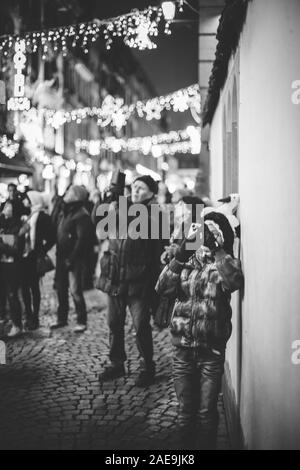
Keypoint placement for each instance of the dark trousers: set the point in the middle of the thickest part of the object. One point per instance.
(89, 269)
(3, 299)
(140, 313)
(11, 281)
(197, 377)
(31, 288)
(72, 279)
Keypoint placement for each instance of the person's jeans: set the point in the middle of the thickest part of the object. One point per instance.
(197, 377)
(10, 279)
(31, 288)
(140, 313)
(66, 278)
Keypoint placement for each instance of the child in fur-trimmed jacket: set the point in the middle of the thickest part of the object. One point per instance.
(202, 283)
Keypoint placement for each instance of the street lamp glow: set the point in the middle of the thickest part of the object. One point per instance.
(169, 10)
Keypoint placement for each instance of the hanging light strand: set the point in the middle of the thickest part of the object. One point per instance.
(136, 29)
(181, 141)
(115, 113)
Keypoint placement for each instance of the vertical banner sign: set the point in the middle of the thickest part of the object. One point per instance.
(19, 102)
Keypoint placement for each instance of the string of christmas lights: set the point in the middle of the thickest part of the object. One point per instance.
(181, 141)
(136, 29)
(8, 147)
(115, 113)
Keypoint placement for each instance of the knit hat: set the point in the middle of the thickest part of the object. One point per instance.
(222, 223)
(76, 194)
(149, 181)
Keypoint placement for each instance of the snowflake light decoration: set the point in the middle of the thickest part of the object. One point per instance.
(114, 112)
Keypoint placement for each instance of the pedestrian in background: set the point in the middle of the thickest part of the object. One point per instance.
(39, 233)
(74, 233)
(16, 196)
(11, 248)
(129, 270)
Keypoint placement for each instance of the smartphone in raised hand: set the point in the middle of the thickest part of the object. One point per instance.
(194, 228)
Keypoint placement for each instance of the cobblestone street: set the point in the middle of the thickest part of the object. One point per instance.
(51, 397)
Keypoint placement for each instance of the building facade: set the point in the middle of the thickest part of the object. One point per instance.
(209, 16)
(254, 141)
(70, 82)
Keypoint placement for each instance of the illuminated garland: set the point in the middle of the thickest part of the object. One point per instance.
(136, 28)
(8, 147)
(182, 141)
(57, 162)
(115, 113)
(229, 31)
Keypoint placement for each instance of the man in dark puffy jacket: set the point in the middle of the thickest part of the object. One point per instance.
(74, 234)
(129, 270)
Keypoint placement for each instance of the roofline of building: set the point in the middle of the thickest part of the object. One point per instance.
(230, 27)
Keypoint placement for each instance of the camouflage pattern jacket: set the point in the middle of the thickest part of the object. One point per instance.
(202, 288)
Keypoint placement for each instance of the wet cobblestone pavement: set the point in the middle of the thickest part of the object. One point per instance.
(51, 398)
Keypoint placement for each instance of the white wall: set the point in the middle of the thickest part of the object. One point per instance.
(270, 193)
(216, 160)
(232, 365)
(269, 182)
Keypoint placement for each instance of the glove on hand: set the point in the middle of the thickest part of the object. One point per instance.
(182, 254)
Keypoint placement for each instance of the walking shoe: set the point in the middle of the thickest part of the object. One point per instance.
(14, 332)
(32, 325)
(145, 377)
(80, 328)
(112, 372)
(57, 325)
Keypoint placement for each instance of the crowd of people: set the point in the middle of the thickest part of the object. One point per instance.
(188, 291)
(28, 231)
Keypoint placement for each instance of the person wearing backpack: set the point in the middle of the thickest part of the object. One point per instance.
(74, 233)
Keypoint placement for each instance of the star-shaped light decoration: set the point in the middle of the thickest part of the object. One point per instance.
(142, 39)
(179, 102)
(152, 110)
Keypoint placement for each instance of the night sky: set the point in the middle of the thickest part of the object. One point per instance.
(174, 64)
